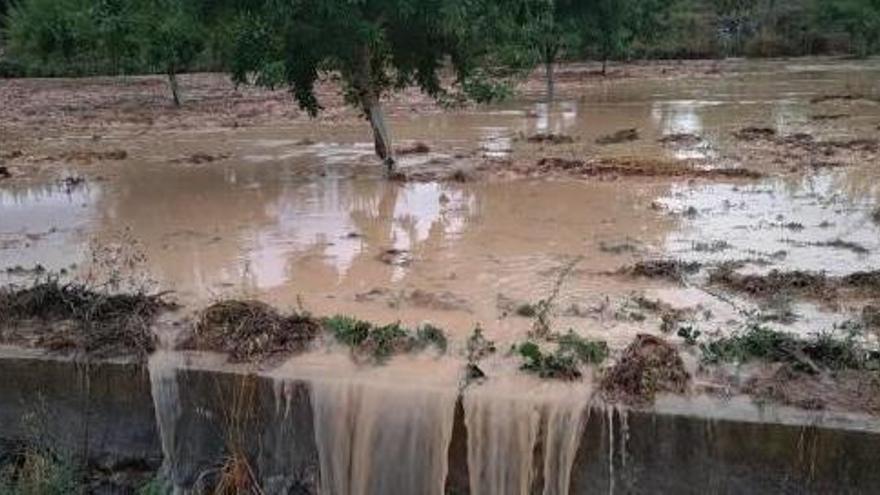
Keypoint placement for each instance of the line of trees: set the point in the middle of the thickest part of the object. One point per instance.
(375, 47)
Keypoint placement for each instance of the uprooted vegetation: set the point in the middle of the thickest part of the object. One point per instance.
(812, 373)
(379, 343)
(824, 352)
(632, 167)
(478, 348)
(814, 285)
(649, 365)
(252, 330)
(672, 270)
(565, 360)
(550, 138)
(75, 318)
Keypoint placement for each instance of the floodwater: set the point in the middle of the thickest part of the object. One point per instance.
(314, 224)
(311, 223)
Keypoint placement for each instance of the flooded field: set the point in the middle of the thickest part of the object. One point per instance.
(665, 200)
(299, 214)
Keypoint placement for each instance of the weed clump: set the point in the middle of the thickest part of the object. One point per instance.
(478, 347)
(674, 270)
(550, 138)
(72, 317)
(621, 136)
(648, 366)
(564, 362)
(36, 471)
(252, 330)
(379, 343)
(796, 282)
(824, 352)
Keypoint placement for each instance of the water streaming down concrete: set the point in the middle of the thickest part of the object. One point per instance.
(381, 439)
(506, 436)
(681, 445)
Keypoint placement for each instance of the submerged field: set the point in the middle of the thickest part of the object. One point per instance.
(715, 205)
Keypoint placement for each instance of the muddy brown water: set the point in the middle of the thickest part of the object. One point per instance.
(311, 223)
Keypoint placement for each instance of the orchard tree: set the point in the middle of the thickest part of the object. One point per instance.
(171, 38)
(860, 19)
(372, 46)
(547, 30)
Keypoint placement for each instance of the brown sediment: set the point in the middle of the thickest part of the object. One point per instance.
(72, 318)
(87, 156)
(755, 133)
(631, 167)
(200, 158)
(829, 116)
(849, 390)
(649, 365)
(417, 147)
(674, 270)
(841, 97)
(621, 136)
(797, 283)
(550, 138)
(682, 139)
(251, 331)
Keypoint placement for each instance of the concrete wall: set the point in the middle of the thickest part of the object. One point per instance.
(622, 451)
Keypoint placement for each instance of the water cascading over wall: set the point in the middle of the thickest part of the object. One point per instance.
(381, 438)
(505, 433)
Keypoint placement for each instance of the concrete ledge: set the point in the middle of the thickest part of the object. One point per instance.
(680, 446)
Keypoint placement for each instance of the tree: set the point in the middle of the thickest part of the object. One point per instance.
(171, 36)
(107, 36)
(373, 47)
(860, 19)
(544, 31)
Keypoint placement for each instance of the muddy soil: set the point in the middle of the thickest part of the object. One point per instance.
(772, 165)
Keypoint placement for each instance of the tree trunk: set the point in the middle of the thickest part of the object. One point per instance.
(172, 81)
(370, 100)
(604, 66)
(381, 134)
(548, 66)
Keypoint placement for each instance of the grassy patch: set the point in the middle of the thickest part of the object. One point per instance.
(381, 342)
(564, 362)
(32, 471)
(252, 330)
(73, 317)
(811, 355)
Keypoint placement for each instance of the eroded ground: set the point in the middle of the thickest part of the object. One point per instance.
(684, 168)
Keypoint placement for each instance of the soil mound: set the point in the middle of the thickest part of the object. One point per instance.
(649, 365)
(72, 318)
(251, 331)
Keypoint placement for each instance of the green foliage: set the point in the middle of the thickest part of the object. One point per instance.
(585, 350)
(374, 46)
(35, 471)
(347, 330)
(860, 19)
(824, 351)
(548, 365)
(154, 487)
(429, 335)
(382, 342)
(563, 363)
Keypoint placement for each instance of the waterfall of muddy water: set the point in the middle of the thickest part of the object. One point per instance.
(503, 431)
(382, 438)
(163, 366)
(380, 429)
